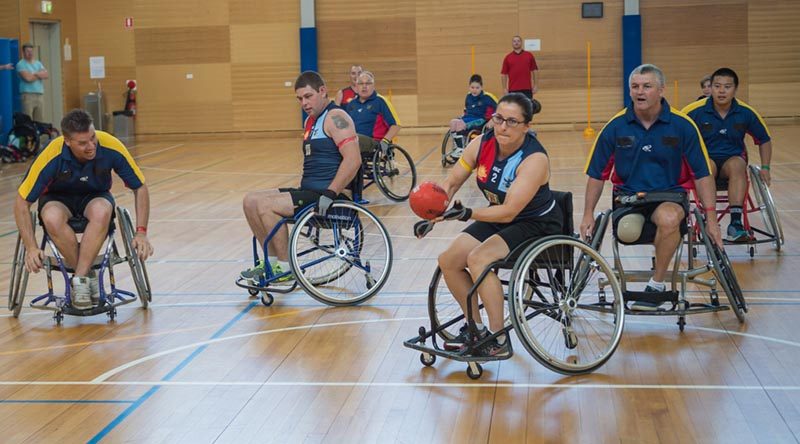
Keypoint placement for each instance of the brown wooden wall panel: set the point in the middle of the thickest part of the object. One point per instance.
(166, 46)
(180, 13)
(262, 43)
(259, 94)
(9, 19)
(264, 11)
(366, 10)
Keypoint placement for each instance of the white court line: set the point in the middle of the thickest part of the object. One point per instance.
(136, 362)
(160, 151)
(566, 385)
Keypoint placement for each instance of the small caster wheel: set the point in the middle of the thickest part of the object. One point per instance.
(570, 338)
(426, 359)
(267, 299)
(694, 252)
(476, 373)
(112, 314)
(252, 292)
(422, 332)
(714, 298)
(681, 323)
(601, 296)
(752, 251)
(58, 317)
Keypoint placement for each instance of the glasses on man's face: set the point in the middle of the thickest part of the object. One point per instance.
(510, 122)
(364, 83)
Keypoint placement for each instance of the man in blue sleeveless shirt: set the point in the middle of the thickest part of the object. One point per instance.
(331, 160)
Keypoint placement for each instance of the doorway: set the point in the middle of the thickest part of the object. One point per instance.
(46, 40)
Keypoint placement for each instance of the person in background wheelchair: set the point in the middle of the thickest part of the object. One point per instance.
(348, 93)
(330, 162)
(723, 122)
(513, 173)
(643, 150)
(479, 106)
(375, 119)
(72, 178)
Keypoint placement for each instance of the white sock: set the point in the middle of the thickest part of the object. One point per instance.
(284, 265)
(272, 260)
(502, 339)
(660, 286)
(479, 326)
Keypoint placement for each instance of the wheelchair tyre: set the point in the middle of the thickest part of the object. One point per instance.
(19, 275)
(767, 205)
(569, 325)
(138, 269)
(447, 146)
(348, 260)
(443, 308)
(723, 270)
(394, 172)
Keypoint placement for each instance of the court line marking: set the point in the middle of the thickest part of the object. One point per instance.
(105, 376)
(64, 401)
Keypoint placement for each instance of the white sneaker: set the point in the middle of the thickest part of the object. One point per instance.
(94, 287)
(81, 293)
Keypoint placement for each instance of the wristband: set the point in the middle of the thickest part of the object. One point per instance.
(765, 167)
(386, 140)
(141, 229)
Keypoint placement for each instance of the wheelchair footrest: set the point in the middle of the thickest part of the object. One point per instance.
(459, 355)
(651, 297)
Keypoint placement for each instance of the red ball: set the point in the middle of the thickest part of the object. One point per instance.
(428, 200)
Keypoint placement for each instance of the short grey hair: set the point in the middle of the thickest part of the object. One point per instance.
(647, 68)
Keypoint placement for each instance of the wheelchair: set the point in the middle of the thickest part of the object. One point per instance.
(450, 150)
(340, 259)
(109, 257)
(716, 262)
(392, 171)
(554, 303)
(772, 231)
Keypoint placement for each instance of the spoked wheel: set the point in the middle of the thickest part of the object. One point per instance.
(767, 205)
(138, 269)
(19, 275)
(347, 260)
(559, 312)
(723, 270)
(394, 172)
(443, 308)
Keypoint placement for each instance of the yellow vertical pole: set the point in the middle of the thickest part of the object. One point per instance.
(472, 59)
(390, 94)
(588, 132)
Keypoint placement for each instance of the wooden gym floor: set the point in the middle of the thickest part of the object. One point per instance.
(206, 363)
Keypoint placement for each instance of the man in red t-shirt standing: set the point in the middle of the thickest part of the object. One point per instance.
(520, 73)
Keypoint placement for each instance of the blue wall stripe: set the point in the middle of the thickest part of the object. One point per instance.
(132, 408)
(631, 50)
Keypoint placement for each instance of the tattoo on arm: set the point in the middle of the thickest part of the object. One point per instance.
(340, 122)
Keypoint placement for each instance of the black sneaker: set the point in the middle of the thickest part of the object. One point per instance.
(648, 306)
(737, 233)
(463, 334)
(493, 348)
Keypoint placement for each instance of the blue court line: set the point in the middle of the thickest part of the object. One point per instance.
(136, 404)
(64, 401)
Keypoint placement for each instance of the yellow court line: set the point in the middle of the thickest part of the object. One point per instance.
(147, 335)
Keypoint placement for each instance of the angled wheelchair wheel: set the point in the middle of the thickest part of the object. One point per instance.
(444, 311)
(343, 258)
(767, 205)
(19, 279)
(447, 147)
(394, 172)
(560, 313)
(726, 277)
(138, 269)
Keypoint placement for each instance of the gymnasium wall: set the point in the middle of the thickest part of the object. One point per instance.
(240, 54)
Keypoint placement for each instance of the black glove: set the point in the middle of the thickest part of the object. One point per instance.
(422, 228)
(457, 211)
(384, 145)
(325, 200)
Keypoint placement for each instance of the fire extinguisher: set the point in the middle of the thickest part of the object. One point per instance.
(130, 99)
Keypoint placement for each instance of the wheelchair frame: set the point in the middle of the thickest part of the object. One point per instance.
(569, 265)
(449, 143)
(110, 256)
(379, 168)
(307, 225)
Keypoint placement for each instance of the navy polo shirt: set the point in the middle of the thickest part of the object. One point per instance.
(724, 138)
(55, 169)
(481, 106)
(373, 117)
(665, 157)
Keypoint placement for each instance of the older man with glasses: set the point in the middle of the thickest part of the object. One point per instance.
(374, 116)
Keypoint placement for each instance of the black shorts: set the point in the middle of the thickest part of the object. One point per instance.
(302, 198)
(367, 144)
(721, 161)
(649, 228)
(525, 92)
(517, 232)
(75, 203)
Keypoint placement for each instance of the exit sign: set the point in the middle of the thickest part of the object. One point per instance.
(128, 23)
(47, 7)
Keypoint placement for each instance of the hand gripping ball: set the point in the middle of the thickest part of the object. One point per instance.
(428, 200)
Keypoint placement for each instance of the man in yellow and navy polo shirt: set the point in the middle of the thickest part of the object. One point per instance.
(723, 122)
(646, 148)
(373, 115)
(72, 177)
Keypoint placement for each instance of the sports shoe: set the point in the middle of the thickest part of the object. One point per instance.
(736, 232)
(458, 342)
(458, 139)
(456, 153)
(494, 349)
(253, 274)
(81, 293)
(277, 271)
(648, 306)
(94, 287)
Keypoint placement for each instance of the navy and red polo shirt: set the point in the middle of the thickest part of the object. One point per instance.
(724, 138)
(374, 116)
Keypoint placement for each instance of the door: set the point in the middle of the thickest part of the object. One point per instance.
(46, 40)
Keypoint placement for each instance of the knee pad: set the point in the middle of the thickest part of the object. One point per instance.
(629, 227)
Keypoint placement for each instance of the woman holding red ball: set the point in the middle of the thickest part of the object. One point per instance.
(513, 173)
